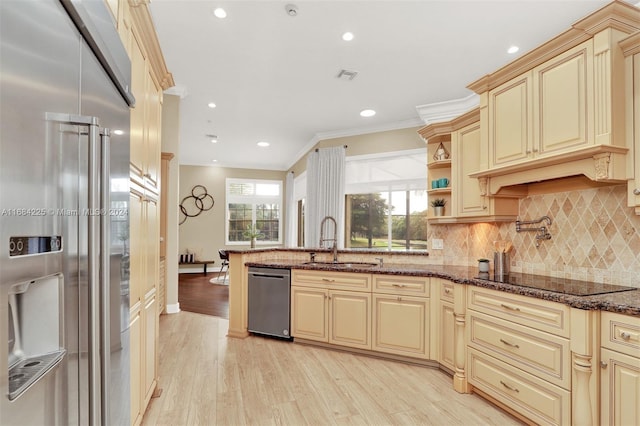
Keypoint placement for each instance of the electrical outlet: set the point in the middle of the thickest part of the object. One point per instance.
(437, 244)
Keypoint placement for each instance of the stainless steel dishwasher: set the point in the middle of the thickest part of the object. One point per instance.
(269, 297)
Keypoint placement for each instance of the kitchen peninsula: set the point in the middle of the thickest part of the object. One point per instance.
(547, 368)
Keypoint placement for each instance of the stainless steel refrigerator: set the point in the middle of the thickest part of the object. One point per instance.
(64, 242)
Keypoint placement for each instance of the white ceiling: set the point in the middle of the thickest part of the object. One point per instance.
(274, 78)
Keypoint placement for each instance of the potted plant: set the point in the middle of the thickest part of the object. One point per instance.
(252, 233)
(438, 206)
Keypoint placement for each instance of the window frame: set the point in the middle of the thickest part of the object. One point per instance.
(254, 200)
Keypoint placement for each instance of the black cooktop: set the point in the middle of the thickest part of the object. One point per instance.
(555, 284)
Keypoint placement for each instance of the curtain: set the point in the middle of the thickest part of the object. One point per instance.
(325, 195)
(290, 238)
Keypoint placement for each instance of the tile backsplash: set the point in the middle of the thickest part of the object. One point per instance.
(595, 237)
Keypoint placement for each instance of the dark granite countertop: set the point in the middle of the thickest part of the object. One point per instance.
(542, 287)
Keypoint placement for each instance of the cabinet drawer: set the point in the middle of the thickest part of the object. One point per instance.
(446, 290)
(620, 333)
(530, 396)
(398, 284)
(540, 314)
(332, 280)
(541, 354)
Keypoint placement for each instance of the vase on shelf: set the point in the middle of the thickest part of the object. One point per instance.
(438, 211)
(253, 242)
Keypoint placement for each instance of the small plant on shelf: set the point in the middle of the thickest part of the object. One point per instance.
(438, 206)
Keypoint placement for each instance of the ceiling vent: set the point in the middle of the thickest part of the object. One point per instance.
(347, 75)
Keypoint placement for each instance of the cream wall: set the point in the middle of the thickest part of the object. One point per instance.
(204, 234)
(171, 143)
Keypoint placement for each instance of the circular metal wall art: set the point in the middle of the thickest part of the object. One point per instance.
(193, 205)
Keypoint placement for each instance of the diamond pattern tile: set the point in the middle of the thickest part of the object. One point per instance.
(595, 237)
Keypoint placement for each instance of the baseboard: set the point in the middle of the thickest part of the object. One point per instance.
(173, 308)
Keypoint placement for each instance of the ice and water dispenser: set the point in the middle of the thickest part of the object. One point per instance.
(35, 331)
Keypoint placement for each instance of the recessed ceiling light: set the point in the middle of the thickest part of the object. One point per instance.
(263, 144)
(367, 113)
(211, 105)
(214, 161)
(347, 36)
(220, 13)
(214, 140)
(118, 132)
(513, 49)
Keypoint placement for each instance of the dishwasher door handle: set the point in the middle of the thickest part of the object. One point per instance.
(281, 277)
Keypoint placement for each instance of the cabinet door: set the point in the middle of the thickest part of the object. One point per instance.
(138, 136)
(150, 335)
(447, 325)
(510, 122)
(350, 319)
(634, 105)
(153, 115)
(620, 382)
(151, 217)
(135, 360)
(309, 319)
(562, 110)
(468, 198)
(400, 325)
(137, 246)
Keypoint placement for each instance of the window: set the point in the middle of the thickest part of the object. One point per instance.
(392, 220)
(253, 205)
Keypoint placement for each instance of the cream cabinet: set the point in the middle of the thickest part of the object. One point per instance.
(323, 309)
(545, 111)
(619, 369)
(465, 197)
(446, 323)
(558, 111)
(402, 315)
(149, 77)
(631, 49)
(519, 353)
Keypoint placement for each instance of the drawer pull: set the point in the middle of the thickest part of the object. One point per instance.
(509, 344)
(446, 290)
(399, 299)
(328, 280)
(511, 308)
(398, 285)
(509, 387)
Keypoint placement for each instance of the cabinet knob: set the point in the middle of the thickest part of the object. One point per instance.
(535, 149)
(603, 364)
(636, 191)
(528, 151)
(625, 335)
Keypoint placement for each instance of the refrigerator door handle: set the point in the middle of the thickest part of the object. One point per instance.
(72, 119)
(94, 272)
(105, 278)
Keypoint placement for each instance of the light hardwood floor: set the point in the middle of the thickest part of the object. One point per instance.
(209, 379)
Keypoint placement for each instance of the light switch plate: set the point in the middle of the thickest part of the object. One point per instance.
(437, 244)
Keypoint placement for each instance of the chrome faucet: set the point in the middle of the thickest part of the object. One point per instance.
(334, 239)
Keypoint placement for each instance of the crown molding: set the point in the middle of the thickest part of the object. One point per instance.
(147, 34)
(445, 111)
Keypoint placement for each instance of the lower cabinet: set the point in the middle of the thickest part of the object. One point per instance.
(620, 369)
(446, 324)
(400, 325)
(519, 353)
(332, 316)
(135, 360)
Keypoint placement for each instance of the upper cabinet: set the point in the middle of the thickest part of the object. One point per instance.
(558, 110)
(448, 176)
(631, 50)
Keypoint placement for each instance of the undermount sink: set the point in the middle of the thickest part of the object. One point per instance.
(343, 264)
